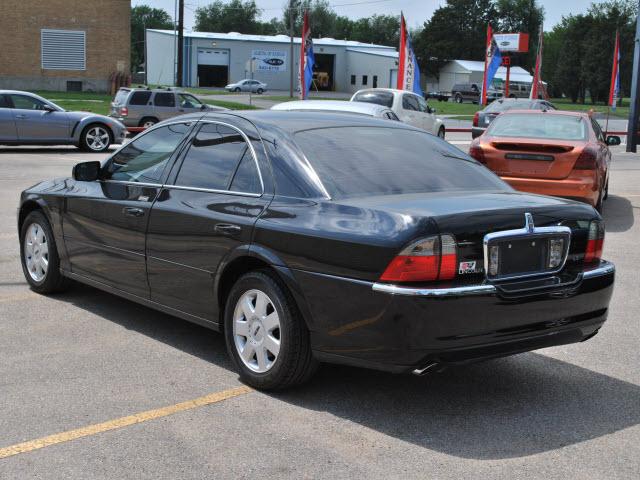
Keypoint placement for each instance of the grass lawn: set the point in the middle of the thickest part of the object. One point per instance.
(101, 102)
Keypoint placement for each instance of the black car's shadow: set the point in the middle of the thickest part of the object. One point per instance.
(618, 214)
(504, 408)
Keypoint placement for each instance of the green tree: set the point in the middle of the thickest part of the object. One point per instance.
(235, 16)
(143, 17)
(458, 30)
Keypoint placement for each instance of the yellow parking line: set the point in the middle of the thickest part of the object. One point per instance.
(121, 422)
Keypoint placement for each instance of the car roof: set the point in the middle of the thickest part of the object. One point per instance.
(390, 90)
(292, 122)
(332, 105)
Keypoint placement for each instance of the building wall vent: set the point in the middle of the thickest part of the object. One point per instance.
(63, 49)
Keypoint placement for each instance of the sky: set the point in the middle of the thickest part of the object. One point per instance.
(415, 11)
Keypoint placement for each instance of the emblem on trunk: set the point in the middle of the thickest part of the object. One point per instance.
(528, 222)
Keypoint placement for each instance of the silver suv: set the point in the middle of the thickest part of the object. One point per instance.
(144, 107)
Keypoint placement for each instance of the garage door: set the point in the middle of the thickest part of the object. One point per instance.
(213, 56)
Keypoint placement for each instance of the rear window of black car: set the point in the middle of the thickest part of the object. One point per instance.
(379, 98)
(368, 161)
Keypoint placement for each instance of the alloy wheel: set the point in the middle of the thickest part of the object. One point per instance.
(97, 138)
(36, 252)
(256, 331)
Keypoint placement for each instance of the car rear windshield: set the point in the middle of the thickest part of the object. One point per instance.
(503, 106)
(379, 98)
(539, 125)
(369, 161)
(121, 97)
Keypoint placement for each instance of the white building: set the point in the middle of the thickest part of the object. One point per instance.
(216, 59)
(471, 71)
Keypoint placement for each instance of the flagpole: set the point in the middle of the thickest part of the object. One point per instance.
(606, 125)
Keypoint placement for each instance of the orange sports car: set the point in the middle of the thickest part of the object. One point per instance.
(564, 154)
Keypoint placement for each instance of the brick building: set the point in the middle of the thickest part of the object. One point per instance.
(64, 44)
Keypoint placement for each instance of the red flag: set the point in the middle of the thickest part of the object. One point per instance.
(614, 90)
(536, 74)
(402, 58)
(487, 50)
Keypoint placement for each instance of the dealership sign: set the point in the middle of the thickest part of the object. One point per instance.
(270, 60)
(512, 42)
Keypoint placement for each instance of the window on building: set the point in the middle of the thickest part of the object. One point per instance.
(375, 81)
(353, 79)
(213, 158)
(63, 49)
(164, 100)
(365, 79)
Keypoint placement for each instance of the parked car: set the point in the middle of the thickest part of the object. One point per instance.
(408, 107)
(144, 107)
(565, 154)
(310, 237)
(461, 92)
(247, 85)
(338, 106)
(483, 118)
(29, 119)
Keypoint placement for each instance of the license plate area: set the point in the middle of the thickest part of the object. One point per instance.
(526, 252)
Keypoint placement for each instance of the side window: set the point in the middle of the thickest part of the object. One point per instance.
(598, 130)
(422, 103)
(246, 178)
(188, 101)
(410, 102)
(25, 102)
(212, 158)
(140, 98)
(4, 103)
(163, 99)
(145, 158)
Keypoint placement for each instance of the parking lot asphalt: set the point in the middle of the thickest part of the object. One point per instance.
(121, 391)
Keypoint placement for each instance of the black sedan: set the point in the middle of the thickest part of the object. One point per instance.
(483, 118)
(314, 237)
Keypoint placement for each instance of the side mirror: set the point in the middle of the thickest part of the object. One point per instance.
(203, 107)
(86, 171)
(613, 140)
(48, 108)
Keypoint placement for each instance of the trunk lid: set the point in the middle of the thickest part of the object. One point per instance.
(531, 158)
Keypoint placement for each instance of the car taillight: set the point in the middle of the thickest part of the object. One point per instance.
(588, 159)
(476, 119)
(593, 253)
(124, 111)
(476, 152)
(429, 259)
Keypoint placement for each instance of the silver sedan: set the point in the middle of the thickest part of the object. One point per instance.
(247, 85)
(28, 119)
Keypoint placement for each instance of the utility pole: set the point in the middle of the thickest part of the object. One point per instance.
(180, 42)
(632, 127)
(291, 49)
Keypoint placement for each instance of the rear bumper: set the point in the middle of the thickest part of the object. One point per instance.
(403, 329)
(580, 187)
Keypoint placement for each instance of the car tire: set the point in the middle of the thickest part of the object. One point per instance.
(458, 98)
(148, 122)
(96, 138)
(259, 91)
(441, 133)
(237, 89)
(275, 336)
(39, 255)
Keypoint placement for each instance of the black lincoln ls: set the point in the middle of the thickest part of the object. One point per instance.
(322, 237)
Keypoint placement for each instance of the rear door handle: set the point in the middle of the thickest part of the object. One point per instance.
(21, 116)
(227, 228)
(133, 212)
